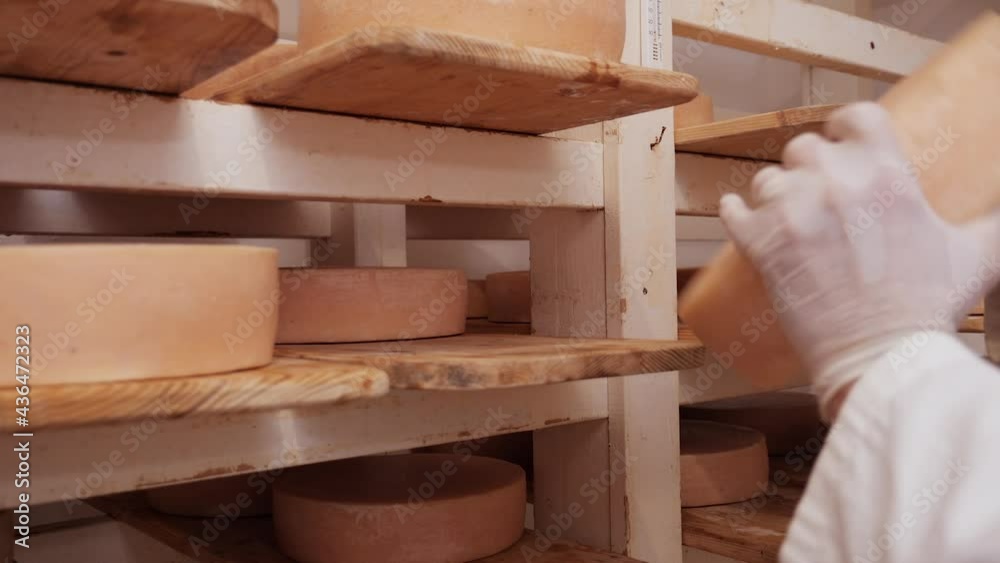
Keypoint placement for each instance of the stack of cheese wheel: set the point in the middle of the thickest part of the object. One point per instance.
(592, 28)
(413, 508)
(508, 297)
(790, 420)
(105, 312)
(721, 463)
(370, 304)
(250, 494)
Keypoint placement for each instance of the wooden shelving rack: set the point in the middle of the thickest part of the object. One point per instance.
(597, 203)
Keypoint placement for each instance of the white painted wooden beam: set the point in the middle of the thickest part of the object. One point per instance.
(464, 223)
(804, 33)
(70, 137)
(702, 180)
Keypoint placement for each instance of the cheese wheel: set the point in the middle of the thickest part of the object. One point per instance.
(210, 498)
(698, 111)
(789, 420)
(721, 463)
(330, 305)
(508, 297)
(413, 508)
(592, 28)
(104, 312)
(478, 308)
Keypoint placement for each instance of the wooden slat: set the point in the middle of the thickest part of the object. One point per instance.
(251, 540)
(209, 150)
(702, 180)
(804, 33)
(750, 531)
(973, 324)
(465, 223)
(283, 383)
(245, 69)
(423, 75)
(484, 326)
(55, 212)
(479, 361)
(758, 137)
(149, 45)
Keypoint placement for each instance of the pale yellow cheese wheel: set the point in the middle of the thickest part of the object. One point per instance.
(721, 463)
(592, 28)
(238, 496)
(331, 305)
(478, 308)
(413, 508)
(508, 296)
(699, 111)
(104, 312)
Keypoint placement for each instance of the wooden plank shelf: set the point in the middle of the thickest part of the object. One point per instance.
(490, 361)
(757, 137)
(747, 532)
(149, 45)
(438, 77)
(973, 324)
(251, 539)
(284, 383)
(312, 375)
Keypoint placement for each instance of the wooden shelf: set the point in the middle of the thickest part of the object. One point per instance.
(757, 137)
(483, 326)
(304, 376)
(750, 533)
(148, 45)
(490, 361)
(413, 74)
(973, 324)
(251, 540)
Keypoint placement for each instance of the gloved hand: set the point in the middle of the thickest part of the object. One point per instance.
(848, 233)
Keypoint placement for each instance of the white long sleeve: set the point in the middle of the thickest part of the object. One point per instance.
(909, 471)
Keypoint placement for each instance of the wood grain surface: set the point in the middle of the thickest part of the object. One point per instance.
(760, 137)
(436, 77)
(149, 45)
(481, 361)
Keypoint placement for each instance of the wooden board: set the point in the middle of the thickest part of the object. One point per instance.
(484, 326)
(480, 361)
(283, 383)
(443, 78)
(759, 137)
(750, 531)
(148, 45)
(251, 540)
(947, 129)
(245, 69)
(973, 324)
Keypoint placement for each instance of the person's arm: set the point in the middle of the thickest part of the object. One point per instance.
(879, 284)
(908, 473)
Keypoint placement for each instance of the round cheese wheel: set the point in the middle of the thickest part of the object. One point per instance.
(592, 28)
(104, 312)
(250, 494)
(330, 305)
(721, 463)
(789, 420)
(698, 111)
(478, 308)
(411, 508)
(508, 297)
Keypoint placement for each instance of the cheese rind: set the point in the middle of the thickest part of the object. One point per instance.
(107, 312)
(789, 420)
(721, 463)
(508, 296)
(411, 508)
(592, 28)
(338, 305)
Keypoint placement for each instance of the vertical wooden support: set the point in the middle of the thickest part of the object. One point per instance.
(642, 294)
(379, 235)
(572, 465)
(821, 86)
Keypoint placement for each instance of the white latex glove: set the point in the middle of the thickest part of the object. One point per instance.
(844, 230)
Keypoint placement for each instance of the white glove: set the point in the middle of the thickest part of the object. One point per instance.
(849, 235)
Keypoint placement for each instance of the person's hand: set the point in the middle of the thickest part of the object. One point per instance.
(847, 232)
